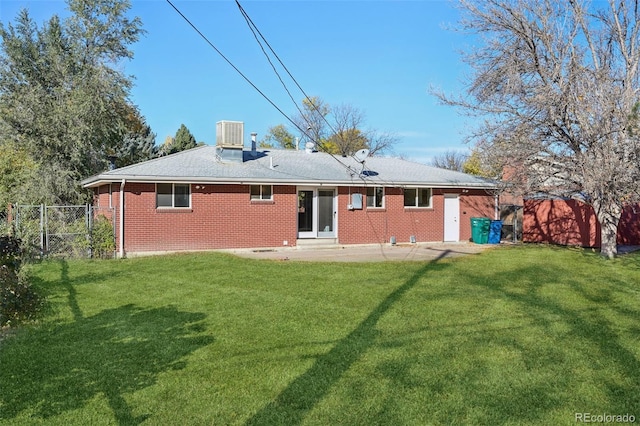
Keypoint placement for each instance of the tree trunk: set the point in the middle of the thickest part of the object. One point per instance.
(608, 214)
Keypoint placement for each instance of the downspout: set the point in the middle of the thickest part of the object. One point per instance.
(496, 207)
(122, 218)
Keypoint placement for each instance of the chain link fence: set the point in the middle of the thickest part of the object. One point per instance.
(27, 223)
(63, 231)
(67, 231)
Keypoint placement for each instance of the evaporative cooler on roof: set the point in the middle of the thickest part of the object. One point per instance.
(230, 134)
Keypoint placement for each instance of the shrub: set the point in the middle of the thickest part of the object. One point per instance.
(102, 238)
(19, 301)
(10, 252)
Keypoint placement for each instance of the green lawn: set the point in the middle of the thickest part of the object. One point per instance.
(516, 335)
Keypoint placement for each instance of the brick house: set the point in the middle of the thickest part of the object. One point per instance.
(228, 197)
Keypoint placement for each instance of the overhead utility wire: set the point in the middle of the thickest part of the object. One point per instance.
(233, 66)
(251, 83)
(253, 26)
(255, 29)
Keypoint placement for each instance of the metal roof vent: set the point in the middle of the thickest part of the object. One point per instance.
(230, 134)
(310, 147)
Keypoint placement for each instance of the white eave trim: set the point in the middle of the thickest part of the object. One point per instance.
(99, 180)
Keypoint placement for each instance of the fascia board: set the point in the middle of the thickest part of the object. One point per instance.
(104, 180)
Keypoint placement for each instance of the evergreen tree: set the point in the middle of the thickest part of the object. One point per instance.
(138, 144)
(137, 147)
(182, 141)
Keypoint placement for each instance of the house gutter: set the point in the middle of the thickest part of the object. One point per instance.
(122, 218)
(304, 182)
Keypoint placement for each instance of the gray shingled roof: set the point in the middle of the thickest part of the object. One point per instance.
(274, 166)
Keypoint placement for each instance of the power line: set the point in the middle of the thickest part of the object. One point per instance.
(255, 29)
(256, 87)
(230, 63)
(253, 26)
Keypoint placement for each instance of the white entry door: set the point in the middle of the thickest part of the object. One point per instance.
(451, 217)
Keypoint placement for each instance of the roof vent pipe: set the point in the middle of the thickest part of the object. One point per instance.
(254, 151)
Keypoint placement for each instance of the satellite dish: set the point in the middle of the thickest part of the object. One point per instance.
(361, 155)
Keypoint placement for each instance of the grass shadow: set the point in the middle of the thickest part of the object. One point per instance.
(587, 334)
(117, 351)
(300, 397)
(531, 344)
(66, 283)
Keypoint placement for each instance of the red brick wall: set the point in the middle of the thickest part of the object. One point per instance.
(573, 223)
(378, 225)
(101, 196)
(223, 216)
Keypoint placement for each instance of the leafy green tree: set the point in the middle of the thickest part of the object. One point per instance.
(278, 136)
(312, 121)
(184, 139)
(479, 163)
(346, 142)
(63, 96)
(16, 170)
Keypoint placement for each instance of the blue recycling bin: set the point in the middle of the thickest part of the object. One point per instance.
(495, 232)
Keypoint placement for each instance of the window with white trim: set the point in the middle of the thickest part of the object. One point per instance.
(173, 195)
(375, 196)
(417, 197)
(261, 192)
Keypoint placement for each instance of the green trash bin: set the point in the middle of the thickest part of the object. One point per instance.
(480, 229)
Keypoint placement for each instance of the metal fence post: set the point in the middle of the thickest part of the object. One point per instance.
(89, 227)
(43, 226)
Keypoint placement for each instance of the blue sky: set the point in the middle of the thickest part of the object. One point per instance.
(378, 56)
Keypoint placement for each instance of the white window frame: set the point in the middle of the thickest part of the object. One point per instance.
(417, 198)
(173, 196)
(261, 195)
(374, 206)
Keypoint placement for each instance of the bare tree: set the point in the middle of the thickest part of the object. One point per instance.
(340, 129)
(380, 142)
(450, 160)
(557, 82)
